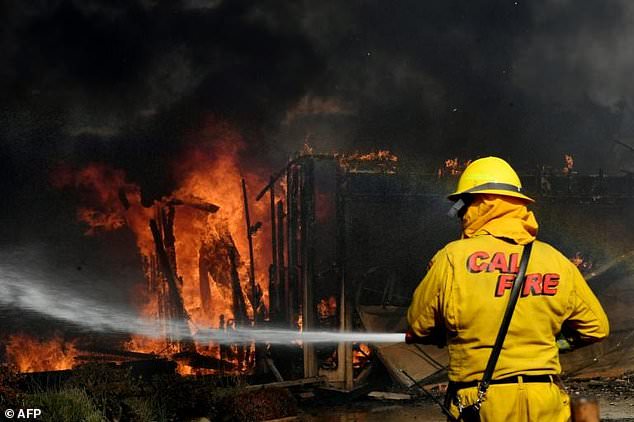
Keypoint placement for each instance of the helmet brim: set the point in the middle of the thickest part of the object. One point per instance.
(454, 196)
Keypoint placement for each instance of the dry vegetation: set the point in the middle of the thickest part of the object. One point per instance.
(100, 392)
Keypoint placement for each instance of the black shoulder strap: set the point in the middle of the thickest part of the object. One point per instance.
(506, 321)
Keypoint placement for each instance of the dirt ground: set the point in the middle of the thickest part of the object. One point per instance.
(615, 397)
(426, 411)
(379, 411)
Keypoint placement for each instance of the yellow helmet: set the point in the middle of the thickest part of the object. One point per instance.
(490, 175)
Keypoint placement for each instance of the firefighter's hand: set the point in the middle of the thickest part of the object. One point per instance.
(437, 338)
(563, 345)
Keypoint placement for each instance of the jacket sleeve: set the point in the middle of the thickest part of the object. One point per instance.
(588, 319)
(425, 312)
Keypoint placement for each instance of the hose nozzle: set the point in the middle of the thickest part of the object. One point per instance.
(412, 338)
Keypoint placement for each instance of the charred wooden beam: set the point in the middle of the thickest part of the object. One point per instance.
(165, 264)
(344, 350)
(99, 358)
(274, 281)
(194, 202)
(215, 261)
(247, 217)
(282, 291)
(161, 286)
(168, 213)
(121, 353)
(307, 251)
(203, 280)
(297, 160)
(291, 259)
(196, 360)
(175, 299)
(239, 306)
(271, 365)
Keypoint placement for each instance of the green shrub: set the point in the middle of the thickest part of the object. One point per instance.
(105, 392)
(143, 410)
(67, 405)
(121, 395)
(109, 387)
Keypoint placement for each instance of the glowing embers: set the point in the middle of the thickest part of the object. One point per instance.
(453, 167)
(29, 354)
(382, 161)
(361, 355)
(327, 312)
(569, 163)
(584, 263)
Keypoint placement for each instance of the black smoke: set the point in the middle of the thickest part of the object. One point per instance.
(131, 83)
(127, 82)
(530, 81)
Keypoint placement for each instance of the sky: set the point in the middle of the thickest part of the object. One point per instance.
(132, 83)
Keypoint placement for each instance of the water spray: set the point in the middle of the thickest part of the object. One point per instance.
(34, 293)
(282, 336)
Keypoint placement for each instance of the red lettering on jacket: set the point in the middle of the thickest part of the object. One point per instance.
(549, 286)
(472, 263)
(498, 263)
(505, 281)
(513, 263)
(533, 284)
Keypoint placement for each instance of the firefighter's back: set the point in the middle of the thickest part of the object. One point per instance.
(474, 300)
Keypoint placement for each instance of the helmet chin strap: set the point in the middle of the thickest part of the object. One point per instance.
(456, 208)
(459, 207)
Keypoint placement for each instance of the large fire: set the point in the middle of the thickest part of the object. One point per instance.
(28, 354)
(193, 245)
(206, 262)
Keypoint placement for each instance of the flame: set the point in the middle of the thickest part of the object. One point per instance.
(307, 149)
(584, 264)
(217, 179)
(207, 244)
(382, 161)
(203, 249)
(361, 355)
(28, 354)
(327, 308)
(381, 155)
(569, 164)
(453, 167)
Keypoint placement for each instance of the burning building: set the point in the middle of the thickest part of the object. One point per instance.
(331, 242)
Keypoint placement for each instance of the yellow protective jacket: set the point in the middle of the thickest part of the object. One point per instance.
(467, 286)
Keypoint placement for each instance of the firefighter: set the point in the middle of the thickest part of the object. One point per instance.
(464, 294)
